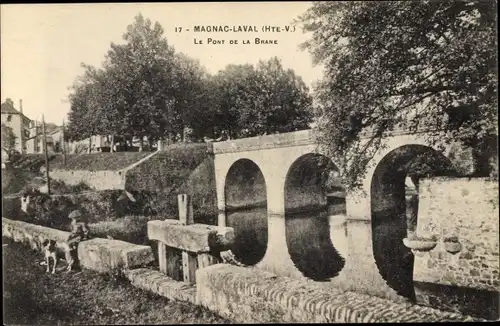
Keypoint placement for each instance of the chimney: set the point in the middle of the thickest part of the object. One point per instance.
(21, 106)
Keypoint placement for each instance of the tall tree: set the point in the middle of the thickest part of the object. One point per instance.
(404, 64)
(191, 105)
(85, 118)
(133, 91)
(282, 99)
(143, 78)
(261, 100)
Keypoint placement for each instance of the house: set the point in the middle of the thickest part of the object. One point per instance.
(54, 138)
(16, 120)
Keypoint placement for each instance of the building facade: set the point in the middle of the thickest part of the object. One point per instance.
(19, 123)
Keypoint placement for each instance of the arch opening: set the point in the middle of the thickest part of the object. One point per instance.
(394, 209)
(246, 210)
(314, 216)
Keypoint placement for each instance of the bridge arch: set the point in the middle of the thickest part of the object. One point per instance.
(307, 227)
(246, 210)
(394, 183)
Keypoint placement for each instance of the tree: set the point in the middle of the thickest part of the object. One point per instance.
(282, 100)
(404, 64)
(131, 94)
(261, 100)
(85, 118)
(191, 106)
(8, 140)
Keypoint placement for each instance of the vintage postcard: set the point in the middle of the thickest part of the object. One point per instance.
(249, 162)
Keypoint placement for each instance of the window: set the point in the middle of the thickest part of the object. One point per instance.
(9, 118)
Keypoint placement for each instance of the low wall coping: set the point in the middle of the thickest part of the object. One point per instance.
(195, 238)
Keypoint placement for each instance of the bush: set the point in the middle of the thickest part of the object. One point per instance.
(50, 211)
(11, 208)
(130, 228)
(59, 187)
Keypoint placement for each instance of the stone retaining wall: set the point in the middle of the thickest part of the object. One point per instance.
(98, 180)
(96, 254)
(33, 235)
(249, 295)
(466, 208)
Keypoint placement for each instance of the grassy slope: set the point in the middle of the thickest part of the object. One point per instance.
(167, 170)
(181, 168)
(32, 297)
(98, 161)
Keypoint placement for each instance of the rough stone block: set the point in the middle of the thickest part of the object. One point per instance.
(103, 255)
(195, 238)
(160, 284)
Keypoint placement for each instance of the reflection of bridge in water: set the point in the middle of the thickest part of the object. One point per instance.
(273, 191)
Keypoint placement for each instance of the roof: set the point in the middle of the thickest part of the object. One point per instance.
(8, 108)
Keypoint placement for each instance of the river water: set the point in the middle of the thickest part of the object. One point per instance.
(317, 245)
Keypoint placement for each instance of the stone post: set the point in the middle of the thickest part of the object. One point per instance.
(186, 217)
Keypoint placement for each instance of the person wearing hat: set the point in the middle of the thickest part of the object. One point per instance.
(79, 232)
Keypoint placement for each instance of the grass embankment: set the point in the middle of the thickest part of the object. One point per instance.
(98, 161)
(32, 297)
(180, 168)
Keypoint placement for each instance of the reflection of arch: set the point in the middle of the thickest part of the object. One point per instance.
(306, 217)
(246, 210)
(388, 209)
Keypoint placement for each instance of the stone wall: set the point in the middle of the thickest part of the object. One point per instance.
(249, 295)
(466, 208)
(97, 254)
(98, 180)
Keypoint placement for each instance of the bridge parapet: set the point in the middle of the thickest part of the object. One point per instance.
(289, 139)
(296, 138)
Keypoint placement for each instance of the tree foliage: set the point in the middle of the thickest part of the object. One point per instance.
(265, 99)
(8, 139)
(404, 64)
(146, 89)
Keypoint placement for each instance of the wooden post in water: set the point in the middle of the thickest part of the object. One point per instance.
(189, 260)
(46, 155)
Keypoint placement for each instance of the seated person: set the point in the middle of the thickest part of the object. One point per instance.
(79, 232)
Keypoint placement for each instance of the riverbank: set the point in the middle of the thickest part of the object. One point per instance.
(32, 297)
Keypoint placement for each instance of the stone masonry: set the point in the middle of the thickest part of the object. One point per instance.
(96, 254)
(98, 180)
(466, 208)
(250, 295)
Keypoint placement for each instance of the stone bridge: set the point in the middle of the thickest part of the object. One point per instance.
(266, 185)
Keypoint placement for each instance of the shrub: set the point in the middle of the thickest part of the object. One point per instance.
(11, 208)
(130, 228)
(59, 187)
(50, 211)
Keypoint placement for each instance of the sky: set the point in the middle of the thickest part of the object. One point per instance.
(43, 45)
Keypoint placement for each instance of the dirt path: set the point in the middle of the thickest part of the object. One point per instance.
(33, 297)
